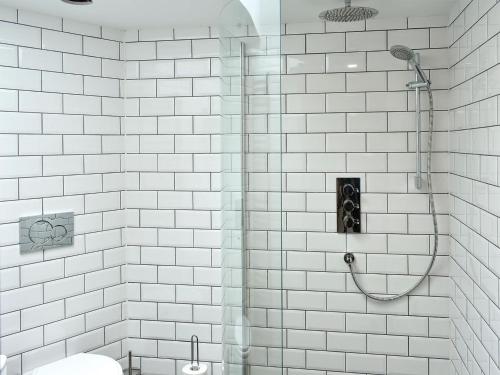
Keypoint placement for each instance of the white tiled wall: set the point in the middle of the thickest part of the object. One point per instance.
(348, 113)
(474, 186)
(60, 150)
(173, 196)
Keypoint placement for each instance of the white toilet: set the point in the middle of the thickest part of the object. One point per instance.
(80, 364)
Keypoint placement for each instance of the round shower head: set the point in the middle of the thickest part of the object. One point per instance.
(78, 2)
(348, 13)
(402, 53)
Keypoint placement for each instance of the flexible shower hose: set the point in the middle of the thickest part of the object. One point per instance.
(349, 258)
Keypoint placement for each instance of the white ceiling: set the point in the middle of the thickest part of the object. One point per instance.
(160, 13)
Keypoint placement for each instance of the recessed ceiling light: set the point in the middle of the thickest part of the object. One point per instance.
(78, 2)
(352, 66)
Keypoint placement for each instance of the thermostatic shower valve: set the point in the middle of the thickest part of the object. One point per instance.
(348, 205)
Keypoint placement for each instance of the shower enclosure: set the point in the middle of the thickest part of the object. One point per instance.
(251, 187)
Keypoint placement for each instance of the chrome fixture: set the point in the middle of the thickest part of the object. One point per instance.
(78, 2)
(413, 58)
(195, 366)
(245, 344)
(348, 205)
(131, 369)
(42, 232)
(421, 81)
(348, 13)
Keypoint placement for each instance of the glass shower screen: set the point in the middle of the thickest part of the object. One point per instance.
(250, 42)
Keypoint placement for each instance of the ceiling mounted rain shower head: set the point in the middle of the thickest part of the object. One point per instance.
(402, 53)
(348, 13)
(78, 2)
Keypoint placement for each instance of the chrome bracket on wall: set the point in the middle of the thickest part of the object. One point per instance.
(38, 233)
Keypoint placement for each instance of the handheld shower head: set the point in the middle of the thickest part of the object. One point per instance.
(348, 13)
(407, 54)
(402, 53)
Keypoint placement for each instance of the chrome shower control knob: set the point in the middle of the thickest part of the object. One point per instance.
(349, 221)
(349, 205)
(348, 190)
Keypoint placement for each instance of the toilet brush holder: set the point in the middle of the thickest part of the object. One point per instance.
(194, 367)
(131, 369)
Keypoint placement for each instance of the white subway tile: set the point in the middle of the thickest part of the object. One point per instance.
(386, 23)
(77, 27)
(322, 43)
(22, 341)
(175, 87)
(40, 187)
(41, 102)
(157, 106)
(85, 342)
(345, 142)
(305, 103)
(192, 68)
(101, 86)
(417, 38)
(113, 33)
(8, 190)
(192, 106)
(101, 48)
(386, 101)
(62, 165)
(303, 27)
(8, 100)
(8, 14)
(40, 20)
(360, 82)
(8, 55)
(155, 34)
(305, 64)
(366, 41)
(20, 35)
(22, 166)
(322, 360)
(41, 315)
(369, 122)
(8, 145)
(22, 79)
(82, 144)
(320, 83)
(81, 104)
(63, 42)
(113, 68)
(62, 288)
(157, 69)
(174, 49)
(21, 298)
(139, 51)
(345, 102)
(81, 64)
(383, 61)
(63, 83)
(293, 44)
